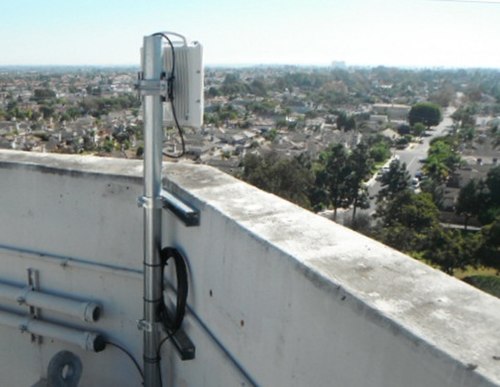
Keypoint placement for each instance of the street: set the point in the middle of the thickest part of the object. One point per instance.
(416, 151)
(410, 156)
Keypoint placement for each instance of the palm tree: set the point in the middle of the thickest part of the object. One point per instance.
(436, 169)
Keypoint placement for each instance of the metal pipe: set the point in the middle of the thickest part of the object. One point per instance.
(68, 261)
(87, 311)
(153, 138)
(88, 341)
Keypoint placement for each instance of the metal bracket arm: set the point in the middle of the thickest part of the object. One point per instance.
(190, 216)
(184, 345)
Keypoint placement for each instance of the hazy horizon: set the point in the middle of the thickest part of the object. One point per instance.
(243, 66)
(363, 33)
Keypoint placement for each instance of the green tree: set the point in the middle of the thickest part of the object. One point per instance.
(340, 176)
(469, 201)
(360, 199)
(394, 181)
(495, 133)
(435, 189)
(380, 151)
(467, 134)
(436, 169)
(350, 123)
(489, 250)
(288, 178)
(493, 184)
(341, 120)
(213, 92)
(345, 122)
(271, 135)
(426, 113)
(233, 85)
(360, 165)
(331, 179)
(404, 129)
(444, 95)
(449, 250)
(442, 158)
(47, 111)
(473, 92)
(418, 129)
(258, 87)
(464, 116)
(379, 147)
(407, 221)
(108, 145)
(43, 94)
(411, 224)
(491, 201)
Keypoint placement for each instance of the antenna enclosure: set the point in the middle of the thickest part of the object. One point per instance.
(187, 85)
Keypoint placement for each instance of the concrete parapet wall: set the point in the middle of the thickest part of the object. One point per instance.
(278, 296)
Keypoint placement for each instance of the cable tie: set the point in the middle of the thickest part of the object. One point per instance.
(151, 360)
(152, 264)
(152, 301)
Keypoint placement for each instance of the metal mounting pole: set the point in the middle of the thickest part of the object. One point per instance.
(151, 201)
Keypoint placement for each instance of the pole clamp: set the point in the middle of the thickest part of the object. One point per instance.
(144, 325)
(153, 87)
(149, 202)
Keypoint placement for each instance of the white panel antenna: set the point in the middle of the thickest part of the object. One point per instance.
(187, 84)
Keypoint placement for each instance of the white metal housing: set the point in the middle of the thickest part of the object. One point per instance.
(187, 85)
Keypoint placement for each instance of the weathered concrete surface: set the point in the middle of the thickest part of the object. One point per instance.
(436, 315)
(294, 298)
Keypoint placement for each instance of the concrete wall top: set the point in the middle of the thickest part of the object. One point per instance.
(428, 307)
(70, 163)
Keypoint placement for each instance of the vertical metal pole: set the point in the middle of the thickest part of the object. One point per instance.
(152, 69)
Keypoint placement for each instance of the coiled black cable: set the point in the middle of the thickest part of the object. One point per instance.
(170, 322)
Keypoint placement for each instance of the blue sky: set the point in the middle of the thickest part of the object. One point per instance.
(414, 33)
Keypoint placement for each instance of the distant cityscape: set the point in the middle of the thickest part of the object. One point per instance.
(96, 110)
